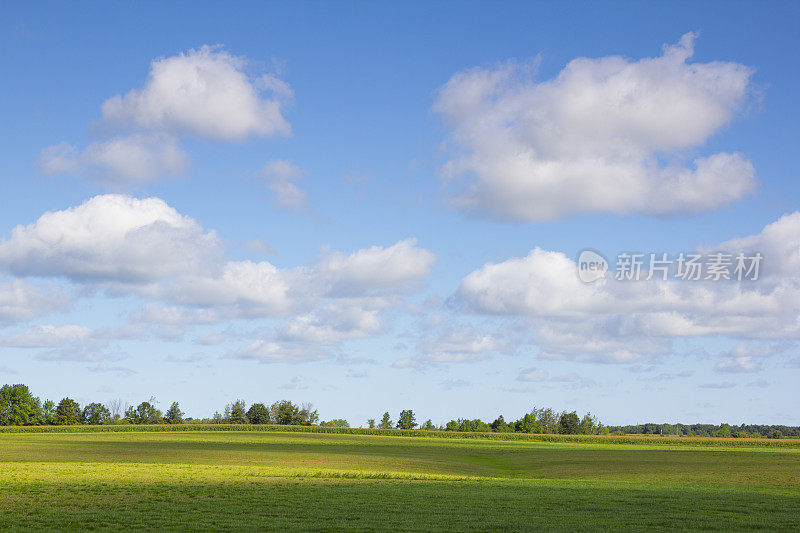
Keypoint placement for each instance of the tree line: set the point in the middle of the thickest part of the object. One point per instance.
(18, 407)
(723, 430)
(538, 420)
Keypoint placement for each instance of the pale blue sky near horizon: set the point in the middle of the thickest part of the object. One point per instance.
(370, 144)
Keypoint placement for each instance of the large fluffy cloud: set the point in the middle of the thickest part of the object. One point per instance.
(605, 135)
(207, 93)
(625, 320)
(113, 238)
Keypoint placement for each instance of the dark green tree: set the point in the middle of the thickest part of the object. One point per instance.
(95, 413)
(386, 421)
(237, 414)
(68, 412)
(174, 415)
(569, 423)
(18, 407)
(258, 414)
(428, 425)
(371, 423)
(500, 426)
(406, 420)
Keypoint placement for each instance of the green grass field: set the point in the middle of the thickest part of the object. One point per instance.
(318, 481)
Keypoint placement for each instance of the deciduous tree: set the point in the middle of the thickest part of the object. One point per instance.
(258, 414)
(18, 407)
(569, 423)
(144, 413)
(94, 414)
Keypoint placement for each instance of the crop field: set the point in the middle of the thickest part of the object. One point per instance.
(256, 480)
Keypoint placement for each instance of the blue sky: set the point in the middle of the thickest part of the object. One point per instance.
(376, 207)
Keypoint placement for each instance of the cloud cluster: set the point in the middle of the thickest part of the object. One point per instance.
(622, 321)
(206, 93)
(605, 135)
(122, 244)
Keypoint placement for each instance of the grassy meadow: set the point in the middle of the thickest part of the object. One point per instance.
(248, 480)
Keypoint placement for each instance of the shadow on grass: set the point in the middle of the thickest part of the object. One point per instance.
(325, 504)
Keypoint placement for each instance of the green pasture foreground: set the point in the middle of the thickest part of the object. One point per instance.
(320, 481)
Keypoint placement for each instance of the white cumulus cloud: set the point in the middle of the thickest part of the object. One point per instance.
(206, 93)
(110, 237)
(605, 135)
